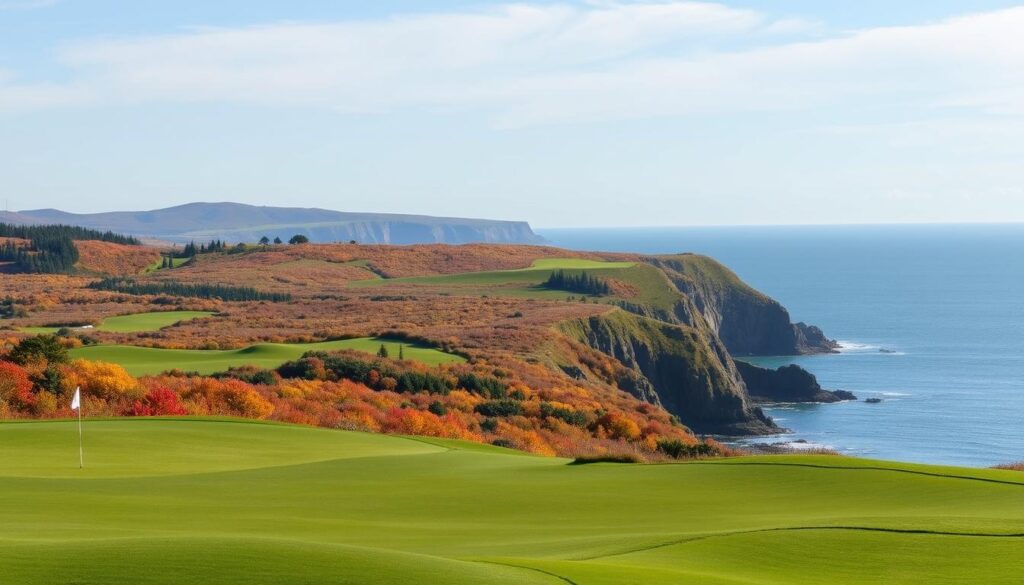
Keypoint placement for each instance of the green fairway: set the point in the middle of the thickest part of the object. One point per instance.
(141, 361)
(537, 273)
(133, 323)
(221, 501)
(525, 282)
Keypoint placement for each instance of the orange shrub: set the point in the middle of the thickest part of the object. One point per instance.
(103, 380)
(242, 400)
(619, 427)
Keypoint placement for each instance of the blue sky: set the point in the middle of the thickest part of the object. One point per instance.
(564, 114)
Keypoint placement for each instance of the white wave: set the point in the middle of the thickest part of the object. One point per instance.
(804, 445)
(853, 346)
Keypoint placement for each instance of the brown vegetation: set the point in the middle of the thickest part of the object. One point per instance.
(115, 259)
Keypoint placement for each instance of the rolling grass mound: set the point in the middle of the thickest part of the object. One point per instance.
(134, 323)
(141, 361)
(535, 274)
(223, 501)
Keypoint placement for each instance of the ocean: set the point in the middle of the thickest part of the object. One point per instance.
(930, 317)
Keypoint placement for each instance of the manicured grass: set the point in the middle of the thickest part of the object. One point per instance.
(133, 323)
(537, 273)
(215, 501)
(652, 286)
(140, 361)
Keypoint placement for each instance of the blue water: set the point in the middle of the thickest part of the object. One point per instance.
(948, 301)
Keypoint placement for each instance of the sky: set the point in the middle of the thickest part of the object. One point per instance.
(564, 114)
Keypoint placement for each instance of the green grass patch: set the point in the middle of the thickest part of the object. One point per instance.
(140, 361)
(651, 284)
(132, 323)
(535, 274)
(220, 501)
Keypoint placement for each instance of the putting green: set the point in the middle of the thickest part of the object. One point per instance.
(220, 501)
(132, 323)
(141, 361)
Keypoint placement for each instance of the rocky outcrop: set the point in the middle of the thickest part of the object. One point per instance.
(786, 384)
(812, 339)
(748, 322)
(688, 368)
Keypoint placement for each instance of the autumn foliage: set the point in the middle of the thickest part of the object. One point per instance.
(512, 392)
(461, 401)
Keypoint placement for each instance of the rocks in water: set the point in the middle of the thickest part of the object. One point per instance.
(787, 384)
(811, 339)
(872, 400)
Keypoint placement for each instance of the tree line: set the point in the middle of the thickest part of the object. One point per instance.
(181, 289)
(191, 249)
(30, 232)
(51, 248)
(580, 283)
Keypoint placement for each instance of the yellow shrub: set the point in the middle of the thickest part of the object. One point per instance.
(104, 380)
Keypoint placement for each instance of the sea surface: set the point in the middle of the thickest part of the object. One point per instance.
(931, 319)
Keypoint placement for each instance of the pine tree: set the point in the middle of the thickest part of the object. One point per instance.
(382, 352)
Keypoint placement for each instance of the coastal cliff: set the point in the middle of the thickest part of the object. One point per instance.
(688, 368)
(747, 321)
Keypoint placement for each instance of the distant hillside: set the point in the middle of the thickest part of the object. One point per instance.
(236, 222)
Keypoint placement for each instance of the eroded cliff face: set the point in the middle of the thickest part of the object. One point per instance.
(688, 368)
(748, 322)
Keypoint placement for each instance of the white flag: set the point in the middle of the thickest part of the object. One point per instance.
(76, 402)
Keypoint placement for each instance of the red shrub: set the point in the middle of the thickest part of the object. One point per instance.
(15, 386)
(159, 401)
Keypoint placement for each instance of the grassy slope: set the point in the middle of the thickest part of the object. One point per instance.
(652, 286)
(173, 501)
(140, 361)
(135, 323)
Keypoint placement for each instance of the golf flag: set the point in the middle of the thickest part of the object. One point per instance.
(76, 404)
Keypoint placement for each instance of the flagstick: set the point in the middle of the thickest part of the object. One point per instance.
(81, 453)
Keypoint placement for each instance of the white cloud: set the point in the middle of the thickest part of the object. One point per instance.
(530, 64)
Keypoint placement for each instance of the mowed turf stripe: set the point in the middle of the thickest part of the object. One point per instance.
(868, 467)
(698, 538)
(203, 560)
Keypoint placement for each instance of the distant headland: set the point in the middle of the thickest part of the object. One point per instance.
(237, 222)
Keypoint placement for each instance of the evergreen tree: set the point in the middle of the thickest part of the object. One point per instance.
(46, 348)
(179, 289)
(298, 239)
(382, 352)
(278, 241)
(264, 241)
(401, 352)
(580, 283)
